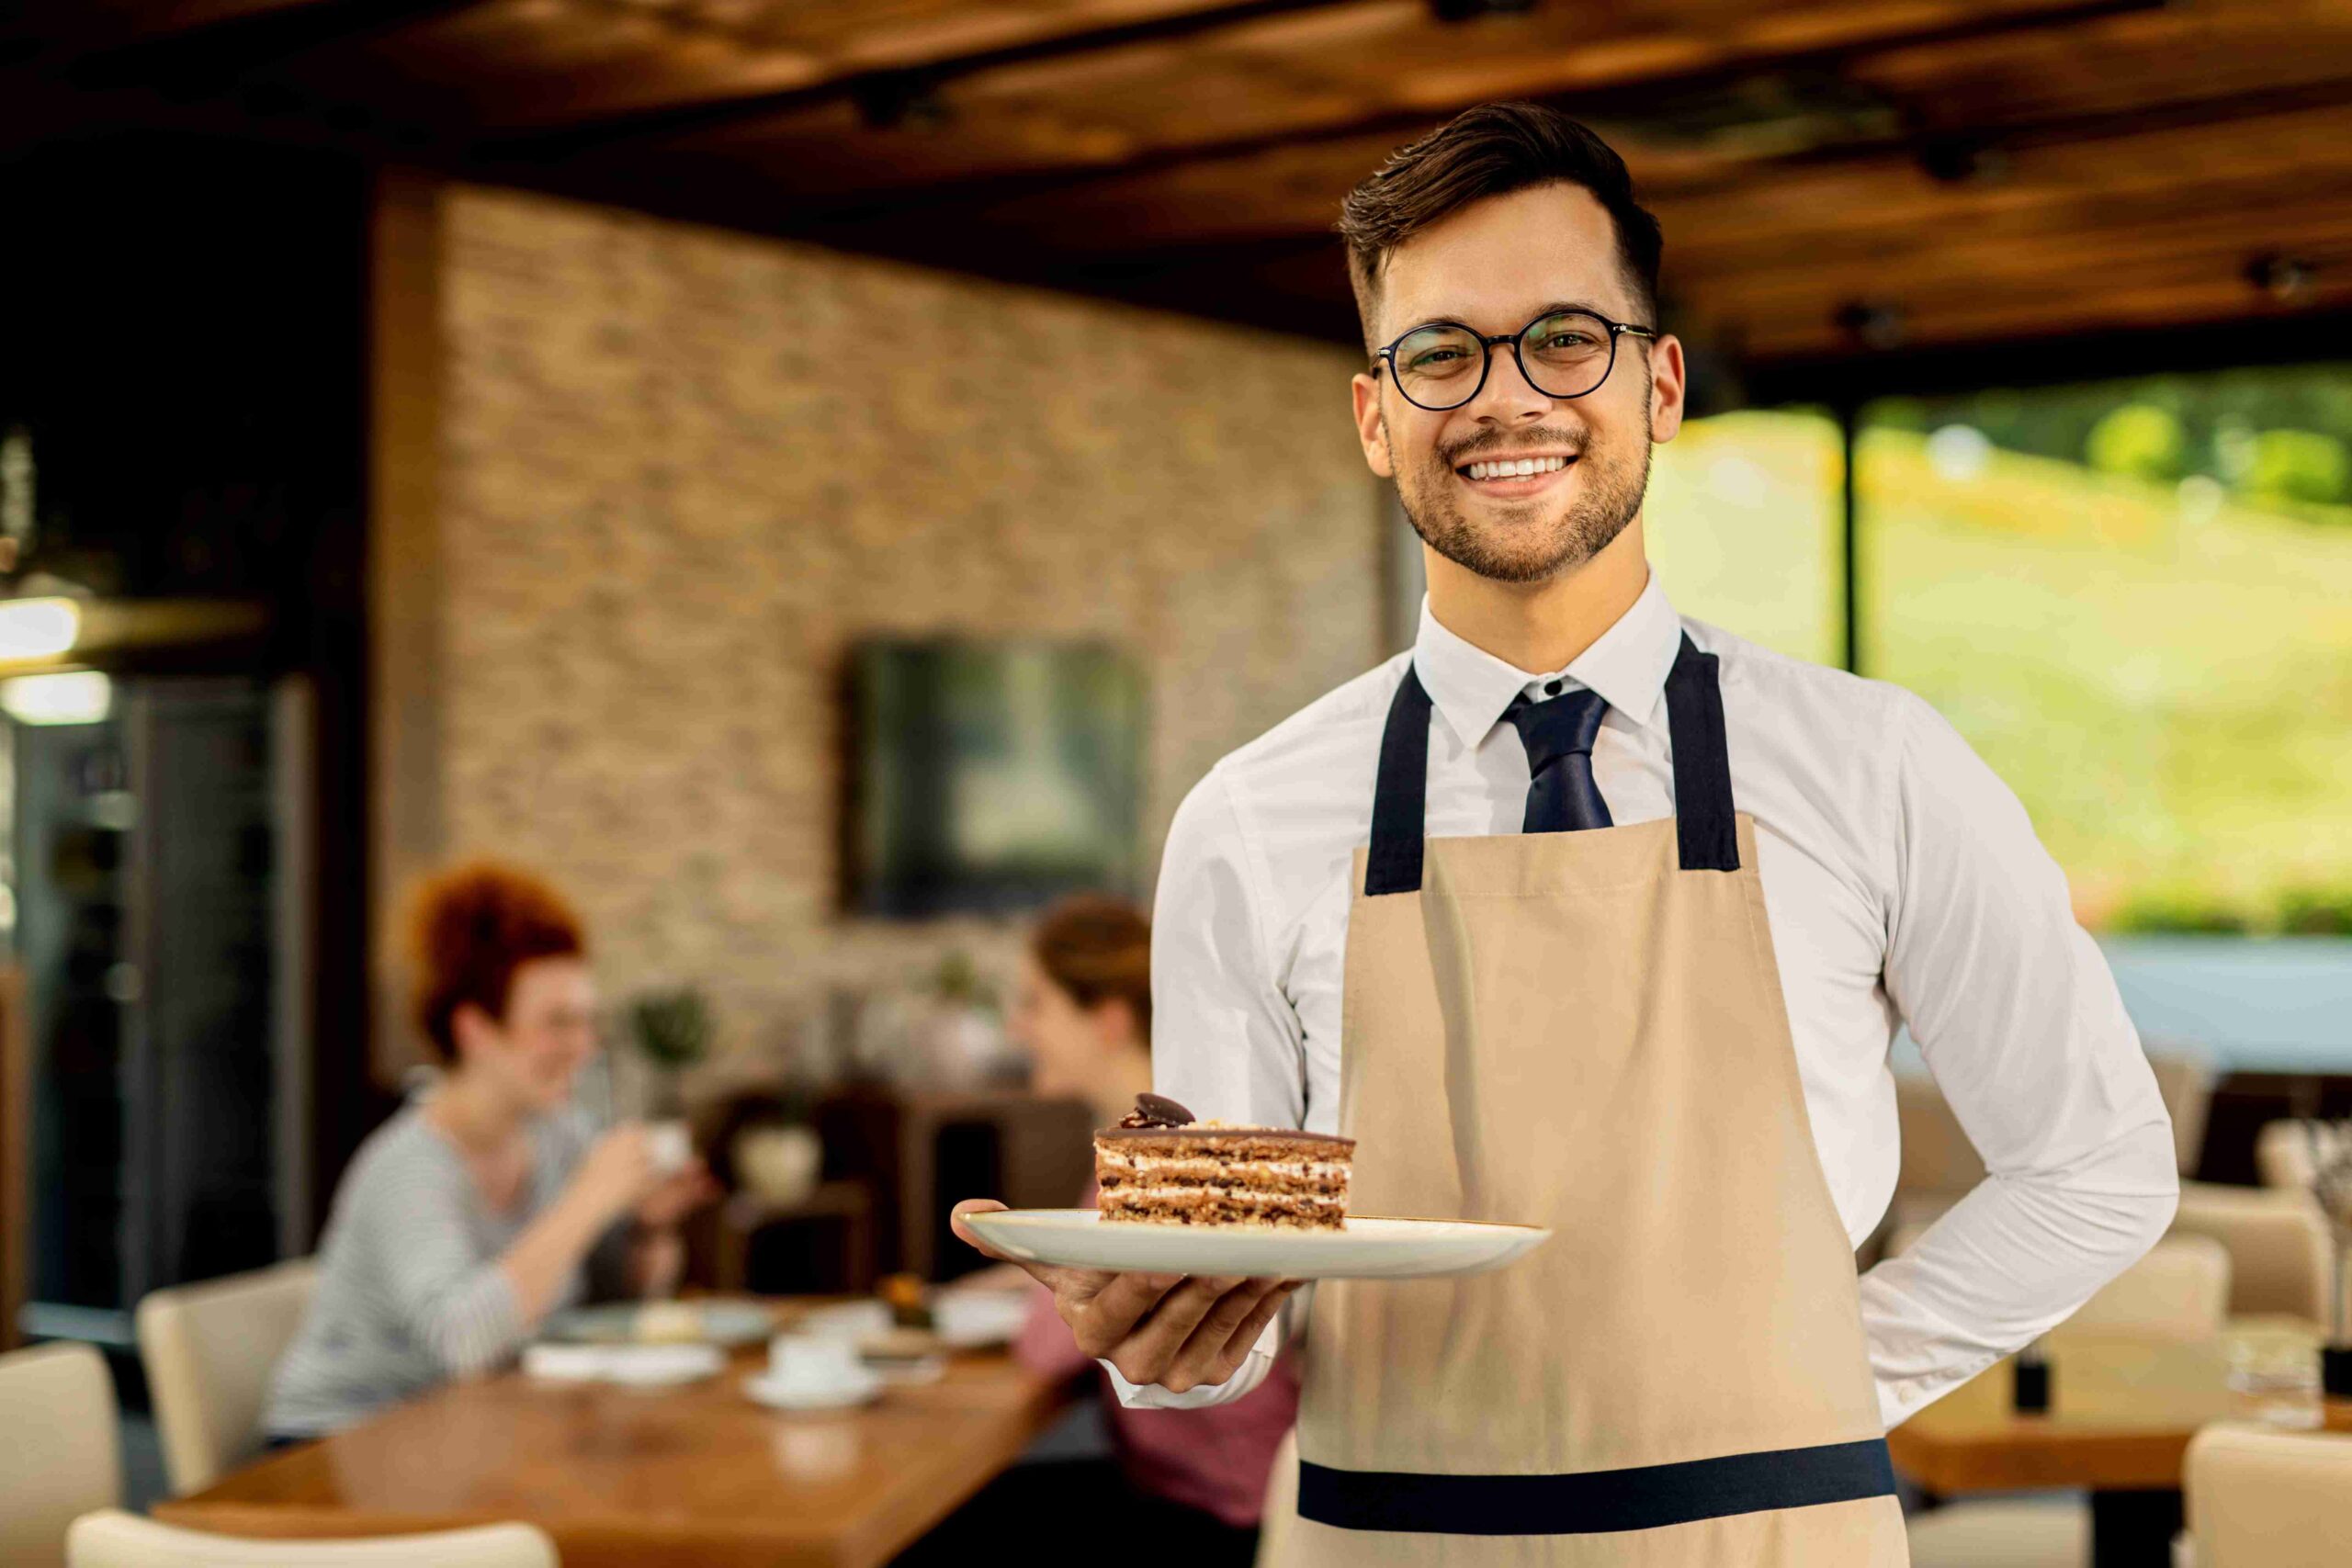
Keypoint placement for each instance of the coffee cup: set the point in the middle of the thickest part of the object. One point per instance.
(810, 1361)
(670, 1146)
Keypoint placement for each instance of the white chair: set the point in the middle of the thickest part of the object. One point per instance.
(1281, 1510)
(2287, 1153)
(2185, 1080)
(2179, 1290)
(2261, 1498)
(2278, 1242)
(112, 1539)
(208, 1351)
(59, 1452)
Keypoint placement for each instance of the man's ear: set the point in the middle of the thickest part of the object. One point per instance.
(1372, 428)
(1666, 388)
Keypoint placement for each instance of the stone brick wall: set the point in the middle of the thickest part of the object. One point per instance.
(680, 471)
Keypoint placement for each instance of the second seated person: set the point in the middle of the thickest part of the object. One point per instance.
(487, 1202)
(1187, 1486)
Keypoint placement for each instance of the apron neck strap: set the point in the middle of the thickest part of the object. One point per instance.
(1704, 821)
(1703, 817)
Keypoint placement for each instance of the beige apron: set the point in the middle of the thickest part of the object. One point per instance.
(1585, 1031)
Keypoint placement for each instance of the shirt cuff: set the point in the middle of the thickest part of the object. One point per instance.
(1245, 1377)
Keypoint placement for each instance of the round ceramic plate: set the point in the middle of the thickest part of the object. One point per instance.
(1369, 1248)
(723, 1323)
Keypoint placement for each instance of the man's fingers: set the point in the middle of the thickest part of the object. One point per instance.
(1214, 1348)
(1104, 1315)
(1246, 1336)
(1152, 1348)
(969, 1236)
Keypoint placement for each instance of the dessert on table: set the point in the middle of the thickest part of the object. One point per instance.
(1160, 1166)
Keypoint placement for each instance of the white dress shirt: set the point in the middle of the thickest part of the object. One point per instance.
(1902, 883)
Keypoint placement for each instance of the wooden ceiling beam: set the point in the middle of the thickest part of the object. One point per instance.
(212, 57)
(873, 85)
(1753, 205)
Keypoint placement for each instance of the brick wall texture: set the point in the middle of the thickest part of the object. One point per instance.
(682, 470)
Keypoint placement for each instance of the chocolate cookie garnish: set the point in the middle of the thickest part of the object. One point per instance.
(1156, 1111)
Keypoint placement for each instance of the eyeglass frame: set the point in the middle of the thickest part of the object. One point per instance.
(1387, 356)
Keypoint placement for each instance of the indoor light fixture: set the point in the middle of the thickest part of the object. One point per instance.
(69, 696)
(37, 629)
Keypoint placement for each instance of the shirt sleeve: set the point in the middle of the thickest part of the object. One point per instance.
(2020, 1023)
(453, 1301)
(1225, 1042)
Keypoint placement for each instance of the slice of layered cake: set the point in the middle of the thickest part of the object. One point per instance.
(1159, 1167)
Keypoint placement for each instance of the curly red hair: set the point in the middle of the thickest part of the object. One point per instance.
(474, 925)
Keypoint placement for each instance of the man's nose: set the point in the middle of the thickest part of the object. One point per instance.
(1509, 396)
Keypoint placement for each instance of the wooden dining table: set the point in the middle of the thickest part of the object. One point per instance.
(2122, 1410)
(698, 1475)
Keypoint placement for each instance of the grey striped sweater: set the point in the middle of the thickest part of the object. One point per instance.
(410, 1293)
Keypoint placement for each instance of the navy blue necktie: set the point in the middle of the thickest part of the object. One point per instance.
(1558, 733)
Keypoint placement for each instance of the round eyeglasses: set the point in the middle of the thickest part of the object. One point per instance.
(1562, 354)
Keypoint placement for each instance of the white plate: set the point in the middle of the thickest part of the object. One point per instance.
(1369, 1248)
(972, 1317)
(839, 1395)
(723, 1322)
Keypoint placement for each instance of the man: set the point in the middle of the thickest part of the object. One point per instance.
(1582, 915)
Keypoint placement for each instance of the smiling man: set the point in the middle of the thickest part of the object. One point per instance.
(1585, 915)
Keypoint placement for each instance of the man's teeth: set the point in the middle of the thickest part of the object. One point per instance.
(1517, 469)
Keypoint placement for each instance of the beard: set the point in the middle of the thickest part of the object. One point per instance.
(1524, 543)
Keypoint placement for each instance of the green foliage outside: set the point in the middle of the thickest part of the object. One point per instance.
(2297, 465)
(2141, 620)
(2139, 440)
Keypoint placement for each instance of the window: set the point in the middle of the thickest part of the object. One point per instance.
(2135, 600)
(1746, 531)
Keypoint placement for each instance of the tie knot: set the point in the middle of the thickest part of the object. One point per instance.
(1559, 726)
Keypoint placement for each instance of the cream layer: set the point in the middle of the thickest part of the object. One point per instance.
(1251, 1195)
(1312, 1170)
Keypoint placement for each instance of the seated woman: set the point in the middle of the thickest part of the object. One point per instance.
(487, 1201)
(1186, 1485)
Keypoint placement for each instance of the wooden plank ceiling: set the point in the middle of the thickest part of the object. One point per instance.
(1836, 177)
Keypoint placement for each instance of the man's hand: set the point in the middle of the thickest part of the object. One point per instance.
(1177, 1332)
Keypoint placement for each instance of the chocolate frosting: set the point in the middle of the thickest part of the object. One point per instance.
(1156, 1116)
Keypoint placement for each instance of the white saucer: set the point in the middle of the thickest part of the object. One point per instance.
(1369, 1248)
(841, 1395)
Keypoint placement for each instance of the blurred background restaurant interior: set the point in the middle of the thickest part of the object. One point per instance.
(819, 478)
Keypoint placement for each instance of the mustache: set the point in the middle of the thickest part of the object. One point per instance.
(1570, 441)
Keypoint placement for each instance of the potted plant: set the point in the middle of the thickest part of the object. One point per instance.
(672, 1030)
(959, 1039)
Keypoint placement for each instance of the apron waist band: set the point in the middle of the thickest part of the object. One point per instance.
(1597, 1501)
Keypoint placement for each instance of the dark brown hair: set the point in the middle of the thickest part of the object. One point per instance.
(1098, 949)
(1493, 150)
(473, 925)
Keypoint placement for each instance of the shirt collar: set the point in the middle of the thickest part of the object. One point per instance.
(1628, 665)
